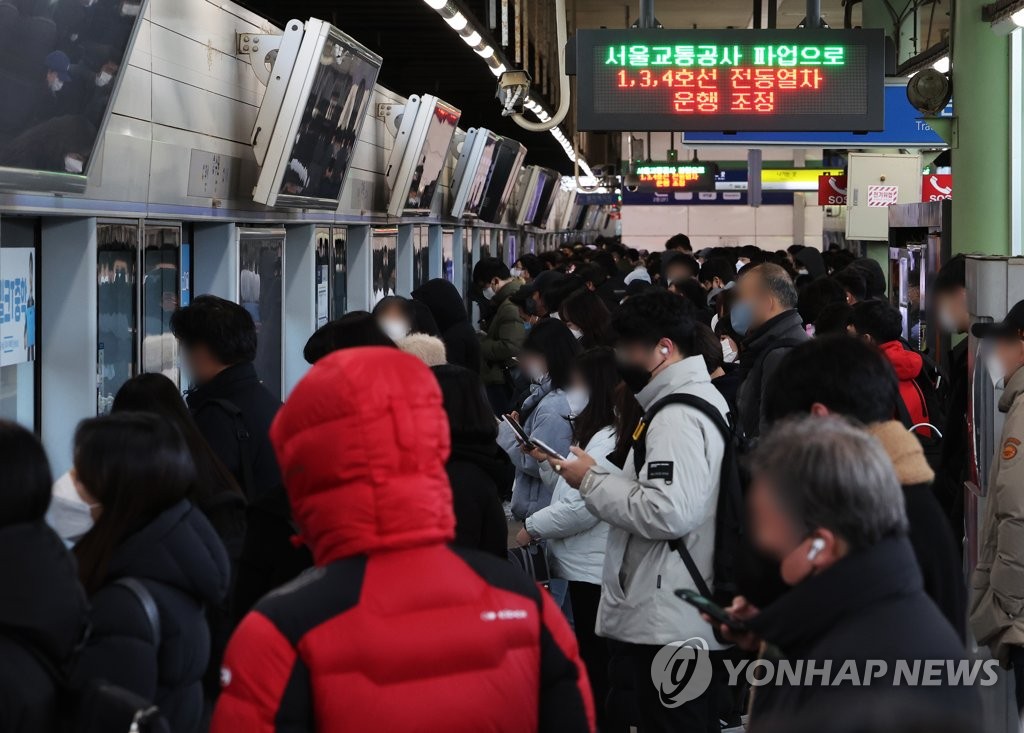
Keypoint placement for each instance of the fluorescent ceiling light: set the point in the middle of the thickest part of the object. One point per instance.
(473, 39)
(486, 52)
(457, 21)
(436, 4)
(942, 65)
(498, 70)
(1018, 18)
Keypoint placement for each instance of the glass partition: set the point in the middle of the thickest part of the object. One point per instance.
(19, 324)
(385, 253)
(161, 285)
(339, 266)
(485, 244)
(116, 309)
(420, 255)
(323, 275)
(467, 269)
(448, 255)
(260, 254)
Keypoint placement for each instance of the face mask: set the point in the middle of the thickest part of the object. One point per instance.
(73, 165)
(994, 367)
(56, 85)
(516, 272)
(947, 322)
(395, 328)
(635, 376)
(69, 516)
(103, 78)
(802, 272)
(729, 354)
(578, 398)
(742, 315)
(578, 334)
(488, 293)
(740, 265)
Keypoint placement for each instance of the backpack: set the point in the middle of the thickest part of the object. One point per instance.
(97, 706)
(729, 515)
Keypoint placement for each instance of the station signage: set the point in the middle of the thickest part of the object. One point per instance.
(730, 80)
(693, 176)
(832, 190)
(936, 187)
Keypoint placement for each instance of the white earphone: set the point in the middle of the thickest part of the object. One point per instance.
(664, 350)
(817, 547)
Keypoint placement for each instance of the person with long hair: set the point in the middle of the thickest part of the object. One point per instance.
(576, 538)
(586, 315)
(136, 472)
(44, 613)
(546, 359)
(479, 471)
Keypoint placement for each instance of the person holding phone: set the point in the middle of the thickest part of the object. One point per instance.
(576, 537)
(547, 358)
(826, 503)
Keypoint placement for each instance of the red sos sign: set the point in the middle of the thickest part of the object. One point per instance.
(936, 187)
(831, 190)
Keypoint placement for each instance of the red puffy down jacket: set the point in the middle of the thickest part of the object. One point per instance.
(393, 630)
(908, 366)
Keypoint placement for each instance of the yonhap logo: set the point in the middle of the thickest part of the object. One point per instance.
(681, 671)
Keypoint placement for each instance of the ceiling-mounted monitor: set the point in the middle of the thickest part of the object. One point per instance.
(549, 187)
(472, 172)
(61, 65)
(501, 182)
(562, 212)
(731, 80)
(420, 151)
(323, 107)
(535, 202)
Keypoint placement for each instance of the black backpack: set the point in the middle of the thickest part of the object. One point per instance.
(730, 526)
(97, 706)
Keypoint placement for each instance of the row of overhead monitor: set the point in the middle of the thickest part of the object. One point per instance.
(316, 102)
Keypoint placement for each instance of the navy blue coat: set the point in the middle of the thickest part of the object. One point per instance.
(183, 564)
(43, 612)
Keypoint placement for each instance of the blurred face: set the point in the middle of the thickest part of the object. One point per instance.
(533, 366)
(1010, 355)
(199, 364)
(538, 303)
(952, 312)
(749, 290)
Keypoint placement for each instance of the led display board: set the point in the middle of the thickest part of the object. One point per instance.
(692, 176)
(730, 80)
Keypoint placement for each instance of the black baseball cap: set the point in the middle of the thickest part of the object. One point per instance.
(1009, 328)
(542, 282)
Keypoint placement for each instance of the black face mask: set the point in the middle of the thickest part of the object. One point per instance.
(635, 376)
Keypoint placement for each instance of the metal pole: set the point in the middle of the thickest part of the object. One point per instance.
(757, 13)
(646, 13)
(773, 9)
(813, 14)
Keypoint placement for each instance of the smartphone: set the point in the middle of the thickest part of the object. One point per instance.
(544, 448)
(710, 608)
(521, 435)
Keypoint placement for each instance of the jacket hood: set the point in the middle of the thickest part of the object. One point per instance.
(444, 302)
(906, 363)
(42, 597)
(362, 444)
(905, 451)
(810, 610)
(180, 549)
(428, 349)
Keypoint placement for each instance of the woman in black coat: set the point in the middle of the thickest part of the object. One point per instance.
(478, 470)
(136, 472)
(43, 610)
(449, 309)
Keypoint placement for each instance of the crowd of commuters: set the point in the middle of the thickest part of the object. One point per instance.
(752, 427)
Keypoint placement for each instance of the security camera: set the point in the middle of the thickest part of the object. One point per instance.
(929, 91)
(513, 89)
(631, 182)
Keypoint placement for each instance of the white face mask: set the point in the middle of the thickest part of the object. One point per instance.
(73, 165)
(946, 321)
(994, 367)
(489, 293)
(578, 398)
(103, 78)
(56, 85)
(69, 516)
(740, 264)
(576, 332)
(395, 328)
(729, 354)
(517, 272)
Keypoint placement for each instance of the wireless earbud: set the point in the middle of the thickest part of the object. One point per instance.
(817, 546)
(664, 350)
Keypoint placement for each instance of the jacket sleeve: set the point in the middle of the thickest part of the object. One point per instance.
(566, 702)
(1006, 576)
(120, 648)
(506, 340)
(546, 424)
(660, 508)
(266, 685)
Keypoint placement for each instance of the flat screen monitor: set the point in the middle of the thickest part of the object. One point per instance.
(420, 152)
(528, 196)
(547, 188)
(501, 182)
(312, 146)
(61, 64)
(472, 172)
